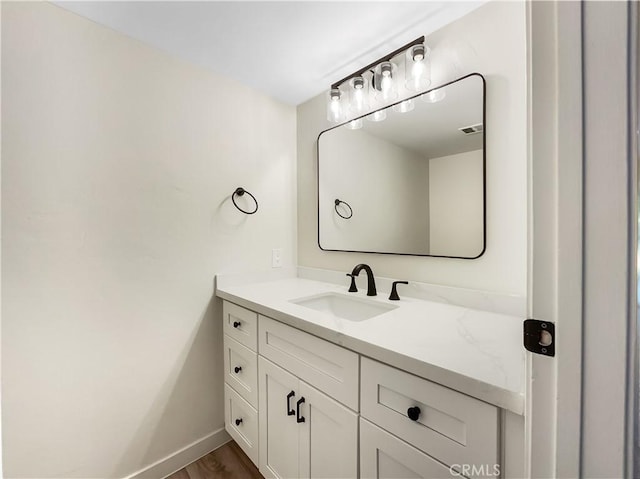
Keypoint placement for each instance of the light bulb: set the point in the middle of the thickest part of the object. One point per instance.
(354, 124)
(336, 110)
(405, 106)
(386, 85)
(358, 97)
(434, 95)
(416, 76)
(377, 115)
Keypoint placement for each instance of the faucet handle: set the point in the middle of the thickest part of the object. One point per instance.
(394, 290)
(352, 288)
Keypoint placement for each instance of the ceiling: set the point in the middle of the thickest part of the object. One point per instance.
(433, 129)
(290, 50)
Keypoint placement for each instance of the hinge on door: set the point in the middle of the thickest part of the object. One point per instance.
(540, 337)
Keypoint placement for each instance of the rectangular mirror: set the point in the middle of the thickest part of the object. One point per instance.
(411, 184)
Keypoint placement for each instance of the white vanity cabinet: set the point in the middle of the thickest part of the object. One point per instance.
(383, 455)
(453, 429)
(304, 407)
(305, 431)
(241, 377)
(291, 399)
(331, 369)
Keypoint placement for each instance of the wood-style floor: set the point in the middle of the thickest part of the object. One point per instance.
(226, 462)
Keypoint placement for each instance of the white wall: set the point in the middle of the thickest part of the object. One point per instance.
(471, 44)
(117, 166)
(390, 198)
(455, 200)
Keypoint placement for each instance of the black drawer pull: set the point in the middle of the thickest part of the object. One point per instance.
(236, 324)
(290, 412)
(238, 421)
(413, 413)
(237, 369)
(298, 417)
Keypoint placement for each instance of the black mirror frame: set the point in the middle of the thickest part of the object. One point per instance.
(484, 174)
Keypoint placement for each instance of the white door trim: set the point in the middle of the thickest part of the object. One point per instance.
(555, 224)
(583, 192)
(609, 256)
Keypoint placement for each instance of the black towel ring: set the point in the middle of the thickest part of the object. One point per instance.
(337, 202)
(241, 191)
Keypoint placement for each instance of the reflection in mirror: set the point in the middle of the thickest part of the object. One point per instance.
(414, 182)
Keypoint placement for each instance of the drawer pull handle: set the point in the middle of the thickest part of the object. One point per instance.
(298, 417)
(237, 369)
(290, 411)
(413, 413)
(238, 421)
(236, 324)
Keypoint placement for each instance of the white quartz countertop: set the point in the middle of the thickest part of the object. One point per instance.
(478, 353)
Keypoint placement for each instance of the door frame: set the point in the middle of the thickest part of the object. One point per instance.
(582, 234)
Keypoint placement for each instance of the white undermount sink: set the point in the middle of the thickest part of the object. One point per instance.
(343, 306)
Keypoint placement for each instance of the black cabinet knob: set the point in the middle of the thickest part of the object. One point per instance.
(237, 369)
(413, 413)
(236, 324)
(238, 422)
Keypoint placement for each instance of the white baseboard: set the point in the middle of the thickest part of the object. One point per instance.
(183, 457)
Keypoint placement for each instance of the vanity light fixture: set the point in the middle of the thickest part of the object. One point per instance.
(381, 82)
(434, 95)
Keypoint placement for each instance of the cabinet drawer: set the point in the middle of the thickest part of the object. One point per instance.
(330, 368)
(241, 370)
(245, 433)
(241, 324)
(384, 455)
(451, 427)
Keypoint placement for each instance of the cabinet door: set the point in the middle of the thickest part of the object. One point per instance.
(384, 456)
(328, 437)
(278, 432)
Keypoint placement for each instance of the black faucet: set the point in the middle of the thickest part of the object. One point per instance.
(371, 282)
(394, 290)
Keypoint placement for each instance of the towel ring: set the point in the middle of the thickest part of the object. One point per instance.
(337, 203)
(241, 191)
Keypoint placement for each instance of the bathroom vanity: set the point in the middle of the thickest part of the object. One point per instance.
(320, 382)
